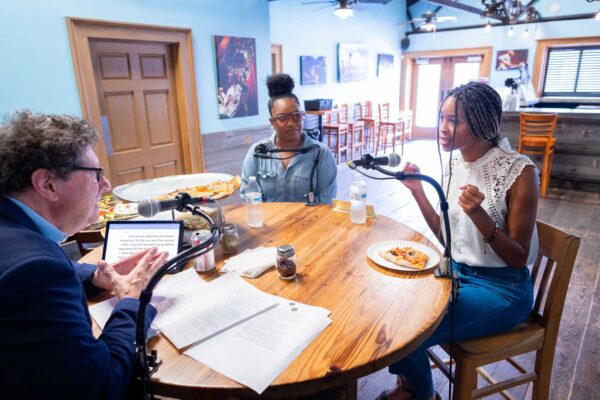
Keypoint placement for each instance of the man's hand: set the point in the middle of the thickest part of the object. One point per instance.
(470, 200)
(128, 277)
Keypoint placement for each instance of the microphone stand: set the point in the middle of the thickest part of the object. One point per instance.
(149, 363)
(310, 196)
(445, 267)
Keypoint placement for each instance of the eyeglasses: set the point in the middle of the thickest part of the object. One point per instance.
(99, 171)
(295, 117)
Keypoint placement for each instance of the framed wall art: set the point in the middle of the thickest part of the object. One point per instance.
(313, 70)
(236, 76)
(352, 62)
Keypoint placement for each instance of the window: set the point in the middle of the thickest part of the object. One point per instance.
(573, 72)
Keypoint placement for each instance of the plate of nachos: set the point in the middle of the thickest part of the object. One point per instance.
(403, 255)
(215, 185)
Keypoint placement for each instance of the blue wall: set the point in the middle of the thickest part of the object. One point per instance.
(498, 37)
(313, 30)
(37, 68)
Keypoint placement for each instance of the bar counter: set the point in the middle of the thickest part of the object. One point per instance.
(577, 152)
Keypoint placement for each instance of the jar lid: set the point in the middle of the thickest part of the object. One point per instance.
(286, 250)
(229, 227)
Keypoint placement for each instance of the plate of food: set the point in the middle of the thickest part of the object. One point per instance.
(197, 185)
(403, 255)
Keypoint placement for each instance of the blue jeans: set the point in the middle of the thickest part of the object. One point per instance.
(490, 301)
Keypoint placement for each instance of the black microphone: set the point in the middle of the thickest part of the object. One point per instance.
(150, 207)
(368, 161)
(261, 150)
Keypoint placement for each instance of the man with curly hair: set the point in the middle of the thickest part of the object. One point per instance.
(50, 184)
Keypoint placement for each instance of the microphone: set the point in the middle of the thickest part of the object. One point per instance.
(150, 207)
(368, 161)
(261, 150)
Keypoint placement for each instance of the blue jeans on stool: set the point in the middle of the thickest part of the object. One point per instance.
(490, 301)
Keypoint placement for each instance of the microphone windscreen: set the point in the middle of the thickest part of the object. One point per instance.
(148, 208)
(394, 160)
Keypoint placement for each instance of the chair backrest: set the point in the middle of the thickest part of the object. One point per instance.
(551, 274)
(537, 124)
(384, 112)
(343, 113)
(406, 117)
(366, 109)
(357, 112)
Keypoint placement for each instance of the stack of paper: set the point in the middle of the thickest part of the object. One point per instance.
(228, 324)
(252, 262)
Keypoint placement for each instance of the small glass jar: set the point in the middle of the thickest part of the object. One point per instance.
(286, 262)
(230, 240)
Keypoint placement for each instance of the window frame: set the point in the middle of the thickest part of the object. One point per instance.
(541, 60)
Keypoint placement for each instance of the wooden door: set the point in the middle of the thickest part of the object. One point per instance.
(433, 78)
(138, 104)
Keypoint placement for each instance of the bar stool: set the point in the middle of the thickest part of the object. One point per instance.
(338, 131)
(366, 116)
(536, 137)
(386, 127)
(355, 129)
(406, 117)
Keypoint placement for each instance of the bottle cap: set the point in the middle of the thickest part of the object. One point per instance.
(285, 250)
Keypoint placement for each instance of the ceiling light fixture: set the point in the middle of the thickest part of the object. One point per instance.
(598, 16)
(511, 31)
(488, 27)
(526, 33)
(428, 27)
(509, 10)
(343, 12)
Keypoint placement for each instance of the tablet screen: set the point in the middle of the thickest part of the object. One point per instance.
(124, 238)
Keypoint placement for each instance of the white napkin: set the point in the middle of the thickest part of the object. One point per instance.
(252, 262)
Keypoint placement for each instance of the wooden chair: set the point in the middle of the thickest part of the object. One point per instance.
(387, 129)
(550, 275)
(406, 117)
(536, 137)
(355, 129)
(337, 134)
(88, 240)
(366, 116)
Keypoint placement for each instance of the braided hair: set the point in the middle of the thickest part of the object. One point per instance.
(482, 108)
(280, 86)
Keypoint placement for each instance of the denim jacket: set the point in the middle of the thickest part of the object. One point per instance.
(292, 184)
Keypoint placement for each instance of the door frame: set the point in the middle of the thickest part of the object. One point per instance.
(82, 30)
(277, 56)
(409, 62)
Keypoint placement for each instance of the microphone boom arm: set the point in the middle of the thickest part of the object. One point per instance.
(148, 363)
(445, 269)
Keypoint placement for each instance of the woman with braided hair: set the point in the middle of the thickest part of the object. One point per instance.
(492, 193)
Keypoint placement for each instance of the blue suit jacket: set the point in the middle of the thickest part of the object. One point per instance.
(47, 349)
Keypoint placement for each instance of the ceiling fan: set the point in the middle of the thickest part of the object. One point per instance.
(429, 20)
(345, 8)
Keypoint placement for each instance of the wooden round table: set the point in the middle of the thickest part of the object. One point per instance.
(378, 315)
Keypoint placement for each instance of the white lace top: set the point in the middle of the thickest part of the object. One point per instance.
(493, 174)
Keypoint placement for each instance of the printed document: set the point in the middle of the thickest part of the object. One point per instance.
(275, 337)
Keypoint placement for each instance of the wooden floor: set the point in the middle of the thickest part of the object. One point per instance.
(576, 373)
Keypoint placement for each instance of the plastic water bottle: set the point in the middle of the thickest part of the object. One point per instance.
(254, 203)
(358, 200)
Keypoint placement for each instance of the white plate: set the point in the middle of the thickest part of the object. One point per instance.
(150, 188)
(373, 254)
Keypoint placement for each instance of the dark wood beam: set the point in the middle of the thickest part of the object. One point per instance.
(458, 6)
(541, 20)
